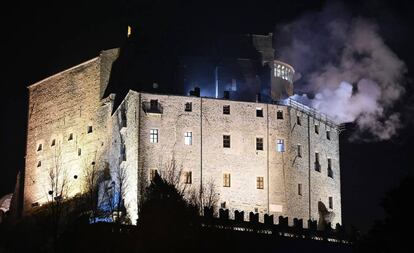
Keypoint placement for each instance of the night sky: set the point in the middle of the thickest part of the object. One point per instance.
(40, 38)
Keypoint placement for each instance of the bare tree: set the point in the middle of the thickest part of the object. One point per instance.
(58, 185)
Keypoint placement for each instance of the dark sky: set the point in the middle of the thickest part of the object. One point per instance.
(40, 38)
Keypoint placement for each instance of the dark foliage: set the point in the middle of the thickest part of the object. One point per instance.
(394, 233)
(167, 223)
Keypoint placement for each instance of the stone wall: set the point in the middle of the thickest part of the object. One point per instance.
(67, 128)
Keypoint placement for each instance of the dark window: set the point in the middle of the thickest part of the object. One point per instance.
(188, 107)
(299, 150)
(298, 120)
(154, 104)
(226, 180)
(226, 141)
(223, 205)
(330, 202)
(89, 129)
(53, 143)
(316, 129)
(39, 163)
(317, 164)
(259, 143)
(226, 109)
(79, 151)
(300, 189)
(259, 112)
(70, 137)
(188, 179)
(279, 115)
(40, 147)
(260, 183)
(330, 171)
(153, 172)
(328, 135)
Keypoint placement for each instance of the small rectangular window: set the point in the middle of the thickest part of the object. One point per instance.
(39, 163)
(188, 107)
(316, 129)
(188, 138)
(300, 189)
(279, 114)
(70, 137)
(330, 202)
(317, 164)
(79, 152)
(259, 112)
(226, 180)
(226, 109)
(223, 205)
(280, 145)
(153, 172)
(154, 135)
(260, 183)
(299, 150)
(187, 177)
(298, 120)
(259, 143)
(328, 135)
(226, 141)
(40, 147)
(330, 171)
(53, 143)
(89, 130)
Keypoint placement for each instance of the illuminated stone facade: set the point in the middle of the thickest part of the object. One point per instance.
(269, 167)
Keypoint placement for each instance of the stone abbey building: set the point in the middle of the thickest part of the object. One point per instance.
(275, 156)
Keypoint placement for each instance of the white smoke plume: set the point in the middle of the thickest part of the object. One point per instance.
(343, 61)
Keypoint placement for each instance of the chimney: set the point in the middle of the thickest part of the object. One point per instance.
(226, 94)
(258, 98)
(195, 92)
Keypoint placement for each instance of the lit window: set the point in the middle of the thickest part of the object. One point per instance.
(89, 129)
(328, 135)
(187, 177)
(316, 129)
(279, 114)
(226, 141)
(154, 135)
(70, 137)
(226, 180)
(300, 189)
(260, 183)
(188, 107)
(299, 150)
(226, 109)
(40, 147)
(330, 202)
(259, 143)
(53, 143)
(298, 120)
(39, 163)
(153, 172)
(188, 138)
(280, 145)
(259, 112)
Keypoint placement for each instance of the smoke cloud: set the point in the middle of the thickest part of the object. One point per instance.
(348, 70)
